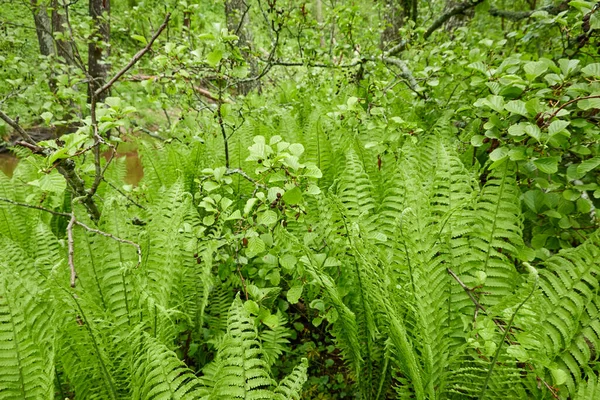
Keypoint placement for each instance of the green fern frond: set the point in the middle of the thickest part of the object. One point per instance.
(569, 329)
(274, 341)
(26, 339)
(157, 373)
(290, 388)
(498, 235)
(241, 369)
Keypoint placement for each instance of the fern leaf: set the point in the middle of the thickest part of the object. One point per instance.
(290, 388)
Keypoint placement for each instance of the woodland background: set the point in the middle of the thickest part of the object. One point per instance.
(299, 199)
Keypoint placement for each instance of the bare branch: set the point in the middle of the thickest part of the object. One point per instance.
(15, 125)
(519, 15)
(135, 58)
(245, 176)
(458, 9)
(16, 203)
(115, 238)
(81, 224)
(467, 290)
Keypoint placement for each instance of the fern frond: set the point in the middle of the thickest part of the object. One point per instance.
(241, 369)
(498, 235)
(569, 329)
(26, 339)
(290, 388)
(274, 341)
(157, 373)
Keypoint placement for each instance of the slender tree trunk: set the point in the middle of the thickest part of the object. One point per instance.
(64, 48)
(237, 17)
(43, 28)
(98, 49)
(396, 12)
(319, 17)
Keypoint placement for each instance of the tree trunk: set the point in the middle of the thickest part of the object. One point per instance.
(43, 27)
(319, 17)
(237, 17)
(64, 48)
(98, 49)
(396, 12)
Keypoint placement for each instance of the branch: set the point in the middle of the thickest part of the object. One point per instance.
(198, 89)
(81, 224)
(467, 290)
(397, 48)
(245, 176)
(15, 125)
(115, 238)
(458, 9)
(135, 58)
(406, 73)
(555, 113)
(519, 15)
(16, 203)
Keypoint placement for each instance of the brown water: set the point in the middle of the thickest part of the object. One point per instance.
(135, 171)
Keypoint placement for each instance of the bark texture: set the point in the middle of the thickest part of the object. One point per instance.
(98, 49)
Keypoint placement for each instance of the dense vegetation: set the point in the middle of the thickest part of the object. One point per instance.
(375, 200)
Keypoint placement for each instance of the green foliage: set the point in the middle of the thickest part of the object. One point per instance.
(412, 224)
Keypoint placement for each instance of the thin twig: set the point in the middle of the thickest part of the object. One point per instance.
(555, 113)
(245, 176)
(16, 203)
(81, 224)
(115, 238)
(135, 58)
(466, 289)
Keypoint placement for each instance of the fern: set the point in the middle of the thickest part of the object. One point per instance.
(241, 370)
(291, 386)
(26, 347)
(157, 373)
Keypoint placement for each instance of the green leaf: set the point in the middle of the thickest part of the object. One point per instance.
(271, 321)
(496, 103)
(235, 215)
(557, 126)
(293, 196)
(140, 38)
(591, 70)
(252, 307)
(296, 149)
(547, 165)
(499, 154)
(312, 171)
(534, 200)
(255, 246)
(267, 218)
(477, 140)
(588, 104)
(559, 376)
(533, 69)
(214, 57)
(533, 131)
(516, 107)
(588, 165)
(249, 205)
(47, 117)
(567, 66)
(294, 293)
